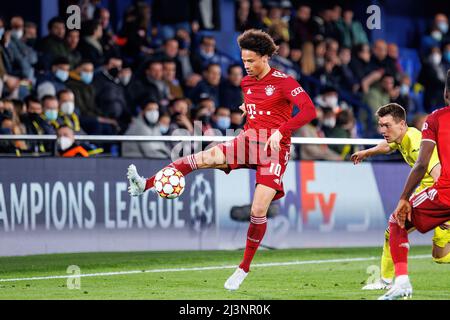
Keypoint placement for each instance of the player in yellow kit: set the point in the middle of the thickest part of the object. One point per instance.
(398, 136)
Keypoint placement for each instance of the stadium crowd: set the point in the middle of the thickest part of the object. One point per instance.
(160, 72)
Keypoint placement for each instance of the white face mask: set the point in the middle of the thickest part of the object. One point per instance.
(17, 33)
(68, 107)
(125, 80)
(329, 122)
(436, 58)
(65, 143)
(331, 101)
(152, 116)
(436, 35)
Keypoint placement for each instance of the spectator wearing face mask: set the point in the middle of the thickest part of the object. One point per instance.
(50, 107)
(110, 97)
(67, 147)
(80, 83)
(344, 128)
(328, 120)
(329, 99)
(437, 35)
(125, 76)
(164, 123)
(58, 75)
(146, 124)
(221, 119)
(36, 124)
(67, 114)
(406, 98)
(432, 76)
(27, 55)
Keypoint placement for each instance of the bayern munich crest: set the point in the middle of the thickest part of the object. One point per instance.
(270, 90)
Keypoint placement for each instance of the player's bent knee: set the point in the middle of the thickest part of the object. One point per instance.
(258, 210)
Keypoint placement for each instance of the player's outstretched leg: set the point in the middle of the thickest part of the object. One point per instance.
(212, 158)
(398, 241)
(441, 245)
(387, 268)
(256, 230)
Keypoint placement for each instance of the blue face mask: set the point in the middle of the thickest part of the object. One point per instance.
(443, 27)
(62, 75)
(51, 115)
(163, 129)
(404, 89)
(2, 32)
(223, 123)
(87, 77)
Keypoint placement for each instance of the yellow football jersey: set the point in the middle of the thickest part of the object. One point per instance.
(409, 148)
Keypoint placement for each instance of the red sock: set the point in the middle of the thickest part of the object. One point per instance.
(185, 165)
(398, 241)
(255, 234)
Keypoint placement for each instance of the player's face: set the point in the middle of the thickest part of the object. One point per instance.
(254, 63)
(390, 129)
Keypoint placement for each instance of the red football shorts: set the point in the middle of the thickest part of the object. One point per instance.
(428, 211)
(242, 152)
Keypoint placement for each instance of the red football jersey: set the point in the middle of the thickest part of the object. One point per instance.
(269, 103)
(437, 129)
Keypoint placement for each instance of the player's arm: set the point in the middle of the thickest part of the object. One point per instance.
(429, 137)
(296, 95)
(419, 170)
(381, 148)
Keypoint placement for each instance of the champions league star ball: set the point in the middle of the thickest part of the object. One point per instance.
(169, 183)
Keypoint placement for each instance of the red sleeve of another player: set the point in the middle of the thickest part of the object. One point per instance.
(429, 130)
(296, 95)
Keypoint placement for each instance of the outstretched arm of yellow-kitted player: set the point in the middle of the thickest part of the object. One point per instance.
(381, 148)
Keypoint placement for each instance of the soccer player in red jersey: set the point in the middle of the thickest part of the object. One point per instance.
(264, 145)
(427, 209)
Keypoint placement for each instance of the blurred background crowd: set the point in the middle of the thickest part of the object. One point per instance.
(156, 67)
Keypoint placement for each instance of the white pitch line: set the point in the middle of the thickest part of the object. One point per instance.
(260, 265)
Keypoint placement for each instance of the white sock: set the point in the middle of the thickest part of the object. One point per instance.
(402, 279)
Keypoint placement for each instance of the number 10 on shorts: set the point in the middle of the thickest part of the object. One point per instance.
(275, 169)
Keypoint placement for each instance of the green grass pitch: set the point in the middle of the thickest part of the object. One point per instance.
(311, 280)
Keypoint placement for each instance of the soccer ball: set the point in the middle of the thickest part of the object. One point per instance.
(169, 183)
